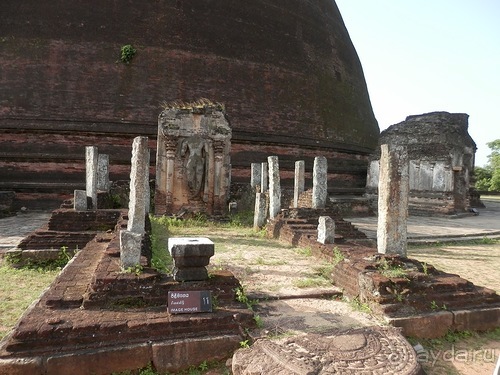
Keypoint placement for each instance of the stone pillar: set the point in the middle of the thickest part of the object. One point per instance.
(393, 191)
(138, 182)
(255, 178)
(263, 177)
(274, 186)
(320, 182)
(299, 181)
(91, 160)
(147, 189)
(80, 200)
(103, 172)
(260, 213)
(326, 230)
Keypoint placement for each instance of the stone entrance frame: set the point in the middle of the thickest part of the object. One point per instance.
(193, 160)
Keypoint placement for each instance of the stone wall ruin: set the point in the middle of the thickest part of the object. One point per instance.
(441, 155)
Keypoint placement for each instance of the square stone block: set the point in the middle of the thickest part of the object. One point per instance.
(190, 247)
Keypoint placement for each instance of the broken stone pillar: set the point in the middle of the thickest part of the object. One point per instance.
(190, 256)
(393, 191)
(103, 172)
(138, 182)
(320, 186)
(80, 200)
(91, 161)
(326, 230)
(274, 186)
(263, 177)
(130, 249)
(299, 183)
(255, 178)
(260, 213)
(193, 159)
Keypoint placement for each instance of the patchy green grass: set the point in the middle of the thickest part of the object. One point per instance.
(305, 251)
(18, 289)
(311, 282)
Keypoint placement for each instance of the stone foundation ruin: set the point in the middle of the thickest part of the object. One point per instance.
(441, 156)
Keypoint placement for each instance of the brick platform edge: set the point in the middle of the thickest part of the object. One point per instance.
(94, 319)
(423, 301)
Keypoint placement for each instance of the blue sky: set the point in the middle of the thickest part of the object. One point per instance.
(430, 55)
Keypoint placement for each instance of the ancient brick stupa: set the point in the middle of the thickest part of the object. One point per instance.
(94, 73)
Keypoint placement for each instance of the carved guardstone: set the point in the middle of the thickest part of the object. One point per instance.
(372, 350)
(193, 162)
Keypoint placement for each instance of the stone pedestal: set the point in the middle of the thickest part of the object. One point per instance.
(80, 200)
(326, 230)
(393, 191)
(191, 255)
(130, 249)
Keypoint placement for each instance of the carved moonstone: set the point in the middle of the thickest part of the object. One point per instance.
(372, 350)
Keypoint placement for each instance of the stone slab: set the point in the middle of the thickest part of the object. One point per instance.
(101, 361)
(476, 320)
(426, 326)
(190, 246)
(175, 355)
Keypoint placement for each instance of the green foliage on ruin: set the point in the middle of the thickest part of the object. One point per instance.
(127, 53)
(63, 257)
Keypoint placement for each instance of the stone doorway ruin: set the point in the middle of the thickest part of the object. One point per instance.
(441, 156)
(192, 162)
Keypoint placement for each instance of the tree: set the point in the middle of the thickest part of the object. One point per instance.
(483, 178)
(494, 163)
(488, 178)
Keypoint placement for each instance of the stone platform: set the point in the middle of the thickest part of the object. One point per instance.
(96, 319)
(423, 301)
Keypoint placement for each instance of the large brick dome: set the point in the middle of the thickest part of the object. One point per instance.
(286, 71)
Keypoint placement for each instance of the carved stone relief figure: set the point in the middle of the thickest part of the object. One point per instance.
(194, 151)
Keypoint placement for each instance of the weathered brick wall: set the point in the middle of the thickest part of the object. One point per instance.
(286, 71)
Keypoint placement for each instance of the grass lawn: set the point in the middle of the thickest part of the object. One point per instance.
(18, 289)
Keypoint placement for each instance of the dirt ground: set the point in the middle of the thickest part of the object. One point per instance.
(284, 279)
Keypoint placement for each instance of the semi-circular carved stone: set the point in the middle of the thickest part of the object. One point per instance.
(374, 350)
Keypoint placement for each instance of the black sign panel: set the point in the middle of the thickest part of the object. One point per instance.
(188, 302)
